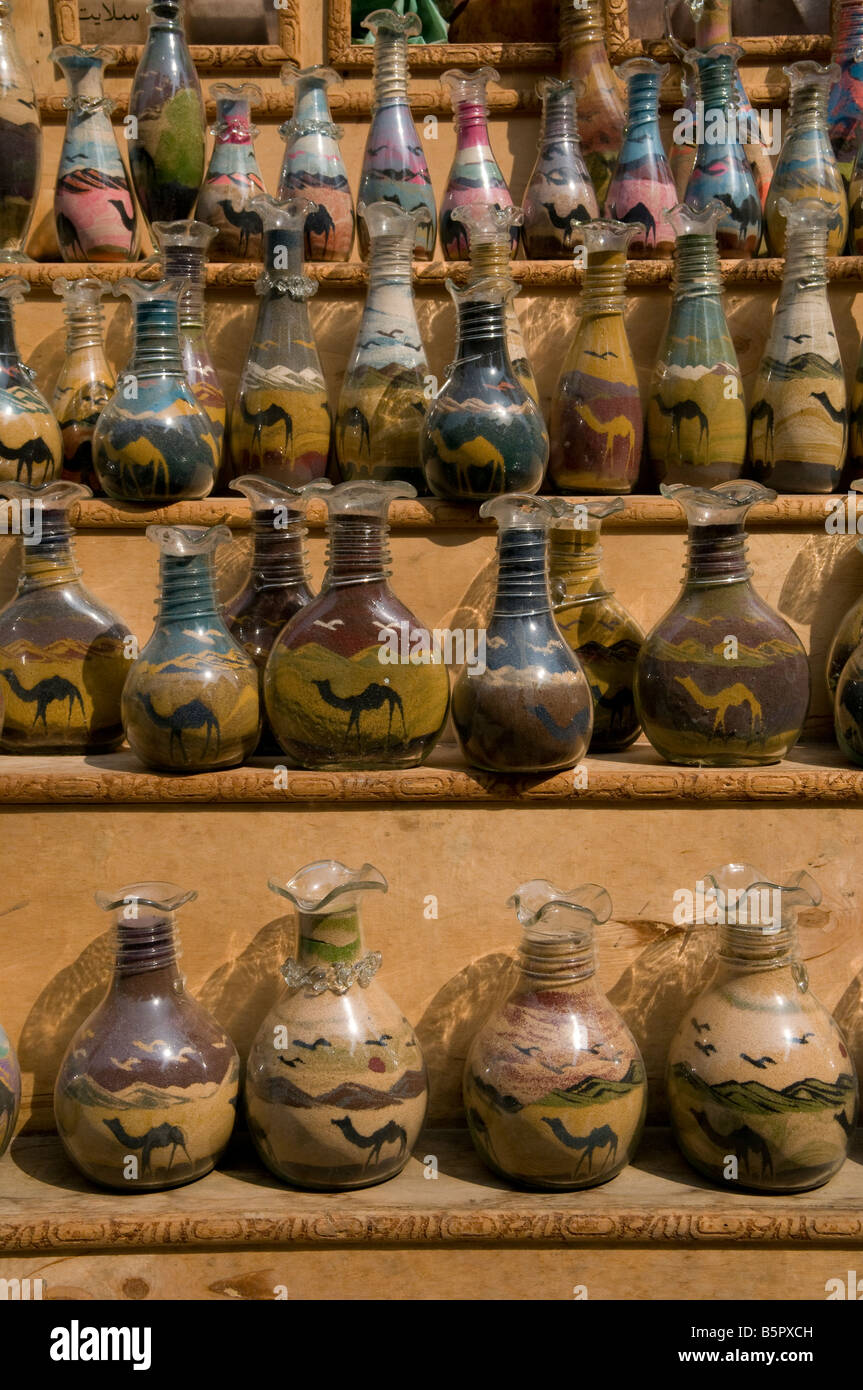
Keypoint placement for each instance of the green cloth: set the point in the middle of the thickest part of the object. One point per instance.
(435, 27)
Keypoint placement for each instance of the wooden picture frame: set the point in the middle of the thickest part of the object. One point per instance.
(776, 47)
(67, 27)
(342, 52)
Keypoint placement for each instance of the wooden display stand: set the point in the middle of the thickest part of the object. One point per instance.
(452, 843)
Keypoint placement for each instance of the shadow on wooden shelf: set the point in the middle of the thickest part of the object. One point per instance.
(658, 1199)
(813, 773)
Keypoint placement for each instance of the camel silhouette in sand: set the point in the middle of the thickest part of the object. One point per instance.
(44, 693)
(159, 1137)
(390, 1133)
(194, 714)
(740, 1142)
(722, 702)
(374, 697)
(602, 1138)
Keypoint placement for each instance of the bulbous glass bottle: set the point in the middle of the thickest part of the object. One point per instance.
(352, 1107)
(721, 171)
(354, 681)
(382, 403)
(191, 701)
(712, 23)
(277, 584)
(554, 1084)
(94, 211)
(761, 1085)
(168, 143)
(10, 1091)
(280, 420)
(642, 188)
(845, 106)
(559, 192)
(30, 439)
(721, 680)
(394, 165)
(604, 636)
(86, 381)
(475, 175)
(596, 425)
(313, 167)
(183, 257)
(146, 1096)
(528, 709)
(490, 232)
(483, 434)
(154, 441)
(63, 655)
(696, 414)
(21, 141)
(233, 177)
(798, 420)
(585, 58)
(848, 635)
(806, 168)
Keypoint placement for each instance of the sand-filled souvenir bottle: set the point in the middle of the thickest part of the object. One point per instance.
(394, 165)
(233, 177)
(183, 255)
(312, 166)
(585, 58)
(277, 584)
(596, 426)
(696, 415)
(605, 638)
(10, 1091)
(712, 23)
(798, 420)
(807, 169)
(528, 708)
(721, 171)
(490, 231)
(21, 142)
(475, 175)
(280, 421)
(146, 1096)
(383, 401)
(64, 656)
(554, 1085)
(191, 701)
(154, 441)
(341, 687)
(167, 143)
(559, 192)
(86, 381)
(642, 189)
(483, 433)
(761, 1086)
(31, 446)
(845, 107)
(721, 680)
(94, 211)
(849, 633)
(336, 1086)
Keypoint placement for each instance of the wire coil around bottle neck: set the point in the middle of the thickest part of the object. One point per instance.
(522, 573)
(144, 944)
(51, 561)
(358, 551)
(716, 555)
(546, 962)
(186, 589)
(696, 267)
(279, 558)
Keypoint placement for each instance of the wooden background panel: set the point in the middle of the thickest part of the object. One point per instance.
(446, 971)
(500, 1273)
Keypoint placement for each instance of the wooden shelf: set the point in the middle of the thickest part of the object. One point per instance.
(353, 275)
(640, 512)
(813, 773)
(46, 1207)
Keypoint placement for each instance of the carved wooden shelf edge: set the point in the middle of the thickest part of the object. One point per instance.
(661, 1202)
(813, 774)
(430, 514)
(353, 275)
